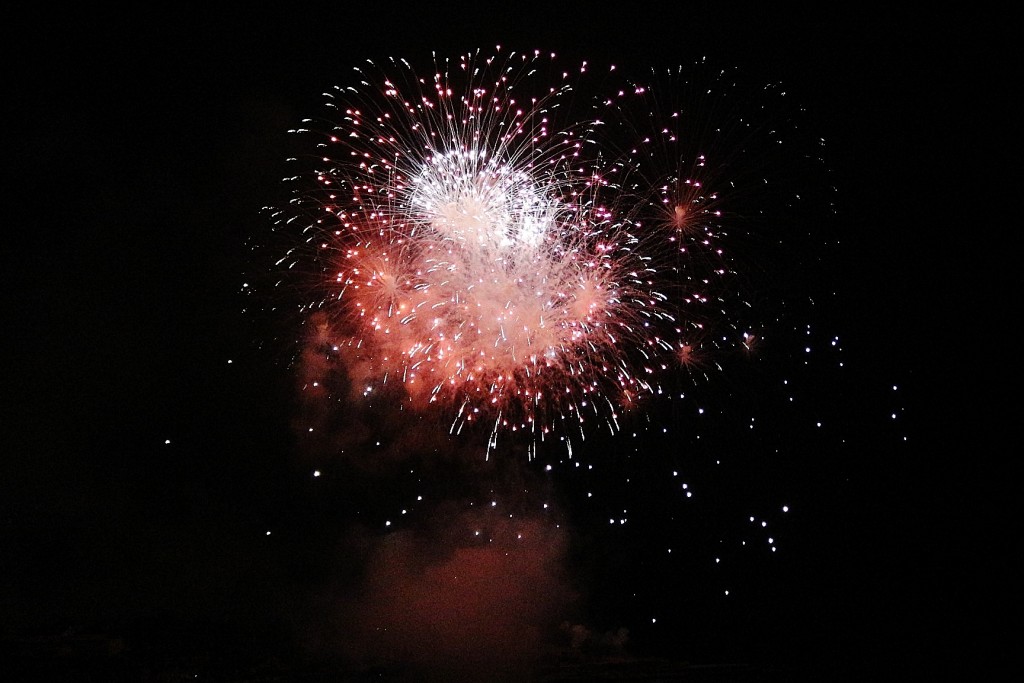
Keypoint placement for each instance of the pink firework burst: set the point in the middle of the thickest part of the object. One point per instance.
(505, 240)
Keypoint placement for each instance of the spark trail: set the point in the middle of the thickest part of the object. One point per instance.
(524, 246)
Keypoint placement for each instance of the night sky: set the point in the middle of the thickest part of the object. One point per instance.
(164, 509)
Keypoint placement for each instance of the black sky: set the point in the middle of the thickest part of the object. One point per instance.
(141, 144)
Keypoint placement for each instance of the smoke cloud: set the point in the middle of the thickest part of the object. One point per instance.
(473, 584)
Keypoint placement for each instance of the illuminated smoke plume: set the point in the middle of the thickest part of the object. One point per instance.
(484, 608)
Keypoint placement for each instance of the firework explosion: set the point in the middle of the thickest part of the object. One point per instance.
(524, 246)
